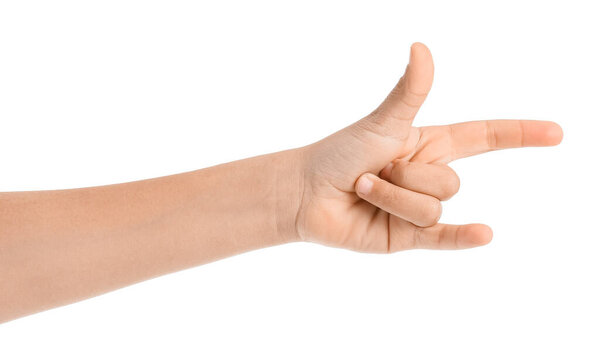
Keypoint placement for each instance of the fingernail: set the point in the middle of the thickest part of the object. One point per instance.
(364, 185)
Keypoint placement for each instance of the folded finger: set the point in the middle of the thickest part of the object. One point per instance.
(437, 180)
(420, 209)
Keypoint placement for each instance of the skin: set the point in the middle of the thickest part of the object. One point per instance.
(353, 199)
(374, 186)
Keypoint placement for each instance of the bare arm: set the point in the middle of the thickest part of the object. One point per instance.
(374, 186)
(57, 247)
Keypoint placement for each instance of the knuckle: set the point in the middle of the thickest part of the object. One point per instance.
(406, 95)
(411, 98)
(433, 212)
(399, 173)
(451, 185)
(491, 135)
(400, 163)
(417, 238)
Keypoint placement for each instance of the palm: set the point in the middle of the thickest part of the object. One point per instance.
(333, 213)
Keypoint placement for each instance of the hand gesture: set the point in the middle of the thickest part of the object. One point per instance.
(376, 185)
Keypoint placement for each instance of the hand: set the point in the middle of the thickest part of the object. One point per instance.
(376, 185)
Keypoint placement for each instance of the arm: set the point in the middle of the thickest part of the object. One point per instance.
(61, 246)
(374, 186)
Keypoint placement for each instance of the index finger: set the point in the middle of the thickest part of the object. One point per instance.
(475, 137)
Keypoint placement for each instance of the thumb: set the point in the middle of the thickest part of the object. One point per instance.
(395, 115)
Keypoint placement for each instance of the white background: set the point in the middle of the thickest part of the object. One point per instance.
(100, 92)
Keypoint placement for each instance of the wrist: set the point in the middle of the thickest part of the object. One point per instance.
(290, 166)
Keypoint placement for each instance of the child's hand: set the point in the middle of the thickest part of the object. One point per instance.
(354, 198)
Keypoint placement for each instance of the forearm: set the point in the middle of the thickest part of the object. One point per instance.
(60, 246)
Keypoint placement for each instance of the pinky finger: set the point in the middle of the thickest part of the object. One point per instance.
(440, 236)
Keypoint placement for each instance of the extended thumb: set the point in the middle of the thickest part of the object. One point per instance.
(395, 115)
